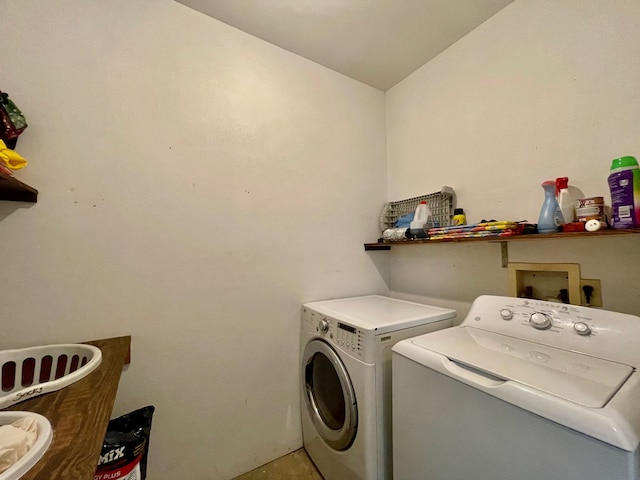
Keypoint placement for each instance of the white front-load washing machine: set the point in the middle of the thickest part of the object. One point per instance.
(345, 380)
(522, 389)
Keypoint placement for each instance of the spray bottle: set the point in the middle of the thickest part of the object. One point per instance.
(564, 199)
(550, 214)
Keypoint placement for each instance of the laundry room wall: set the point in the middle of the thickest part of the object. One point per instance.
(197, 185)
(543, 89)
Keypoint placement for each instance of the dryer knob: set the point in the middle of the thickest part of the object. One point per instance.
(323, 326)
(540, 321)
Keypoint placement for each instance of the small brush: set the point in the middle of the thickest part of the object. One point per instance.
(588, 291)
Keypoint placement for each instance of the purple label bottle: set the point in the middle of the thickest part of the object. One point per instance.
(624, 184)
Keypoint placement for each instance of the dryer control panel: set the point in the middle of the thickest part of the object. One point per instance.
(608, 335)
(342, 335)
(347, 336)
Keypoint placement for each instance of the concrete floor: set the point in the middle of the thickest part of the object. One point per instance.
(295, 466)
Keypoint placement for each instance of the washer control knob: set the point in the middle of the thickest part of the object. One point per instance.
(540, 321)
(323, 326)
(582, 328)
(506, 314)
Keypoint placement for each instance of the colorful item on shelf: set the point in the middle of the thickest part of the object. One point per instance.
(484, 229)
(11, 158)
(12, 121)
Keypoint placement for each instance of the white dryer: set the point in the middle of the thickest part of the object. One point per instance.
(345, 380)
(522, 389)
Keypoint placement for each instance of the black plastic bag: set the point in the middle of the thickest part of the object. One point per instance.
(125, 448)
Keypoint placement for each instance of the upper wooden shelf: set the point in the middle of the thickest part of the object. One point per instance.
(79, 415)
(515, 238)
(14, 190)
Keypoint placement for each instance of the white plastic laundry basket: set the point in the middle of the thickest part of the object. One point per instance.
(43, 440)
(33, 371)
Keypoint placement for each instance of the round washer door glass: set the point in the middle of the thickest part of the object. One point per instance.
(329, 395)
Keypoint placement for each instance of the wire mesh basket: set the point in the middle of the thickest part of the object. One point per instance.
(441, 204)
(33, 371)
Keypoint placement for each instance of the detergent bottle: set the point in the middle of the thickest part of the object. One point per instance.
(564, 199)
(624, 184)
(420, 219)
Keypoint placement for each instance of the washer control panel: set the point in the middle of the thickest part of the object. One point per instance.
(610, 335)
(540, 315)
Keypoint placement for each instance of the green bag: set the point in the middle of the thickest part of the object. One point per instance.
(12, 121)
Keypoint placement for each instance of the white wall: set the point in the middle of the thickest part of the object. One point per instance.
(196, 186)
(541, 90)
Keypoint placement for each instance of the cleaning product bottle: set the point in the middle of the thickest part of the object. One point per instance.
(420, 219)
(550, 214)
(564, 199)
(459, 217)
(624, 184)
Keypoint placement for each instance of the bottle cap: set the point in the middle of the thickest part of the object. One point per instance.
(423, 201)
(562, 182)
(622, 162)
(458, 211)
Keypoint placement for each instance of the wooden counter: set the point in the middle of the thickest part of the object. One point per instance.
(79, 415)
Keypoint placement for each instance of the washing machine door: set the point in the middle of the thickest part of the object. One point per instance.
(329, 395)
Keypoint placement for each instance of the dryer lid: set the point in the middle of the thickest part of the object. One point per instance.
(579, 378)
(381, 314)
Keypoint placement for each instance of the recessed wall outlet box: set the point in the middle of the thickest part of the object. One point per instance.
(545, 281)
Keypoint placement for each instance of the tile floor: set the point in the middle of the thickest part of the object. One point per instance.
(295, 466)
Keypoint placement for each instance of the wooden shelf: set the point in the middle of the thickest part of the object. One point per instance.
(79, 415)
(515, 238)
(14, 190)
